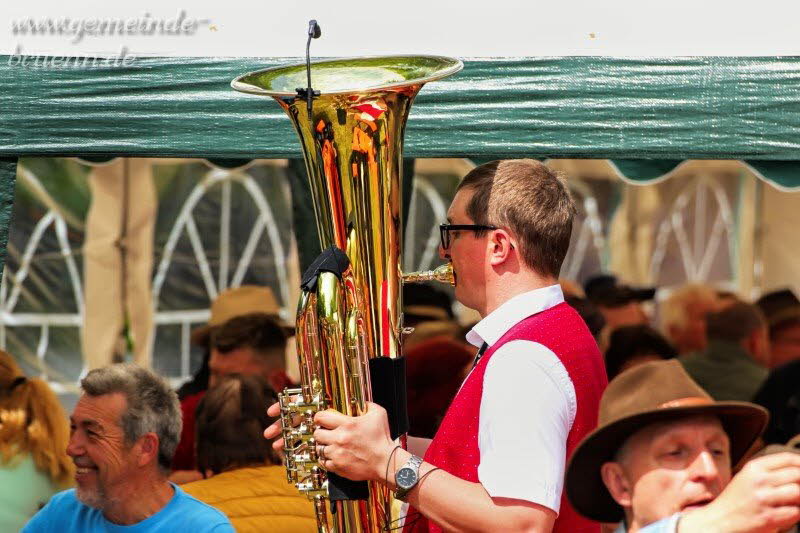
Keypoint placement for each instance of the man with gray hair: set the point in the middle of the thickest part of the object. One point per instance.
(683, 316)
(124, 430)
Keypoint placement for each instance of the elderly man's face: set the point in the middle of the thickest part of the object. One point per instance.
(670, 467)
(103, 460)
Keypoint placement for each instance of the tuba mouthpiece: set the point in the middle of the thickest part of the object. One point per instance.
(442, 274)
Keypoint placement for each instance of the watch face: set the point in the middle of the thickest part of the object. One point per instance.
(406, 478)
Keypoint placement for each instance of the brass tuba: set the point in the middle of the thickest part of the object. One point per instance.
(351, 314)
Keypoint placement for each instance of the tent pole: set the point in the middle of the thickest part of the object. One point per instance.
(8, 178)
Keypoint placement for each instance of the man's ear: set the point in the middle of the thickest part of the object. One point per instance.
(757, 345)
(148, 444)
(500, 246)
(617, 483)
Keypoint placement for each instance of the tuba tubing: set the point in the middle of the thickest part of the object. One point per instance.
(349, 312)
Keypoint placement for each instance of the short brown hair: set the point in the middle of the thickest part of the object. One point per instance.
(735, 323)
(529, 199)
(231, 418)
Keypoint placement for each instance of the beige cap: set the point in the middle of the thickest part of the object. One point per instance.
(240, 301)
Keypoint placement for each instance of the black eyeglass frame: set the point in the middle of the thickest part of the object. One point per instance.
(445, 229)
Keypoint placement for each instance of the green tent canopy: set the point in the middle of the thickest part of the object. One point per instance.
(783, 175)
(568, 107)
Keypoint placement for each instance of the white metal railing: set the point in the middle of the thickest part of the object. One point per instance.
(591, 233)
(12, 284)
(185, 222)
(12, 287)
(423, 190)
(185, 319)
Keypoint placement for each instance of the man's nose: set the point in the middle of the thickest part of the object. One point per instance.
(443, 254)
(74, 447)
(704, 467)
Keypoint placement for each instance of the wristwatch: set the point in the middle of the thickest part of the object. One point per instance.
(407, 477)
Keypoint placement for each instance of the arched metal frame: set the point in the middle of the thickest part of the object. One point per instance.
(590, 232)
(55, 219)
(424, 190)
(698, 252)
(185, 222)
(11, 286)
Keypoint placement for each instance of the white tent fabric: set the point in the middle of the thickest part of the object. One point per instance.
(777, 240)
(118, 262)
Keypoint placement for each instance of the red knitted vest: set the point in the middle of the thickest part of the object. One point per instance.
(455, 446)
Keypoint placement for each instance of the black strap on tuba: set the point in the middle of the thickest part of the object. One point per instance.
(387, 378)
(332, 259)
(341, 489)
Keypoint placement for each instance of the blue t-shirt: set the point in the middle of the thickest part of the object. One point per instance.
(65, 514)
(665, 525)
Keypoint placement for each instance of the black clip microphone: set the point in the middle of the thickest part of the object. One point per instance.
(314, 32)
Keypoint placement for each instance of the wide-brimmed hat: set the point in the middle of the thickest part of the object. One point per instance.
(779, 306)
(658, 391)
(240, 301)
(606, 290)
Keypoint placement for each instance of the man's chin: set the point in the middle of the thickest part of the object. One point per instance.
(91, 497)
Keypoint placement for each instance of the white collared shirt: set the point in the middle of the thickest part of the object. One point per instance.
(527, 407)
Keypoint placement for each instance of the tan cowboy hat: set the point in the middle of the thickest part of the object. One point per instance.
(239, 301)
(651, 392)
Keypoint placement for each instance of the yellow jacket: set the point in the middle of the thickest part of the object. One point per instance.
(257, 499)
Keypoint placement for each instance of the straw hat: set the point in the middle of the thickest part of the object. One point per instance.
(651, 392)
(239, 301)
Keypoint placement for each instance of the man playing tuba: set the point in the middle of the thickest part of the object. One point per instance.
(497, 461)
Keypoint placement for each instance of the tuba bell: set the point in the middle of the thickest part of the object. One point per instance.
(349, 314)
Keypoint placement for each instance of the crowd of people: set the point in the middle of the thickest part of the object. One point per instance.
(566, 407)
